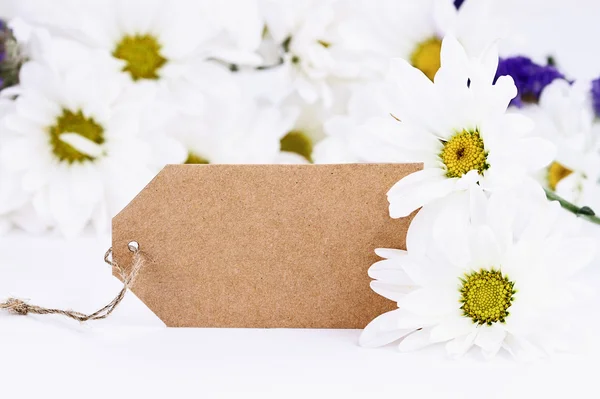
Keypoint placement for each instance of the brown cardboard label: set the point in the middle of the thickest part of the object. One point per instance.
(262, 246)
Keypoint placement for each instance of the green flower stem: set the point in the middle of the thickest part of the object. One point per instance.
(584, 212)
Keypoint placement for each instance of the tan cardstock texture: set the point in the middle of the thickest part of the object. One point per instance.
(262, 246)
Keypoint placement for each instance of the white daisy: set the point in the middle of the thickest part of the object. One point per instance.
(481, 273)
(73, 143)
(413, 30)
(565, 117)
(169, 46)
(305, 37)
(458, 127)
(244, 133)
(308, 129)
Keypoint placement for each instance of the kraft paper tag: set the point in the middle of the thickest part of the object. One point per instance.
(262, 246)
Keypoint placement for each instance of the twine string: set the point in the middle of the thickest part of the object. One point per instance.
(22, 308)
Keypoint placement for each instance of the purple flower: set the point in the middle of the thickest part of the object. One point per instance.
(11, 57)
(3, 33)
(596, 96)
(530, 78)
(458, 3)
(3, 38)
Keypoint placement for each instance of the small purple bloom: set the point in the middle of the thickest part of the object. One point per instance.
(3, 36)
(530, 78)
(596, 96)
(458, 3)
(11, 57)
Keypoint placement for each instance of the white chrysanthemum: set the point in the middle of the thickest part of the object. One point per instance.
(481, 273)
(169, 46)
(309, 129)
(231, 29)
(244, 133)
(565, 117)
(304, 35)
(73, 143)
(413, 30)
(458, 127)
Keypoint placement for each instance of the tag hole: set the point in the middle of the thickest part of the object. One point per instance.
(133, 246)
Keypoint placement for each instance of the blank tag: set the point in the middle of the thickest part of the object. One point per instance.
(262, 246)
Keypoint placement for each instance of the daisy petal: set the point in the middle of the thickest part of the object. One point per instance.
(392, 292)
(417, 340)
(484, 247)
(490, 339)
(478, 205)
(413, 321)
(388, 253)
(453, 74)
(82, 144)
(382, 330)
(461, 345)
(430, 302)
(542, 222)
(452, 328)
(488, 66)
(521, 348)
(534, 153)
(390, 272)
(420, 101)
(569, 255)
(418, 189)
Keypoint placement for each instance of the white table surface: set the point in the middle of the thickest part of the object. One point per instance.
(133, 355)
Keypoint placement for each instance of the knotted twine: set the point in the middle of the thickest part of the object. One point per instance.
(20, 307)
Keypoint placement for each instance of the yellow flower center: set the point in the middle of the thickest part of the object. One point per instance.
(74, 122)
(557, 172)
(195, 159)
(426, 56)
(298, 143)
(463, 153)
(142, 56)
(486, 296)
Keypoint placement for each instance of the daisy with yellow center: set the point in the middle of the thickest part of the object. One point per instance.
(471, 278)
(299, 143)
(251, 134)
(413, 31)
(460, 132)
(463, 153)
(426, 56)
(486, 296)
(142, 56)
(556, 173)
(73, 133)
(167, 48)
(77, 126)
(565, 116)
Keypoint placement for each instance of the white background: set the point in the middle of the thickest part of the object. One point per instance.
(569, 30)
(133, 355)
